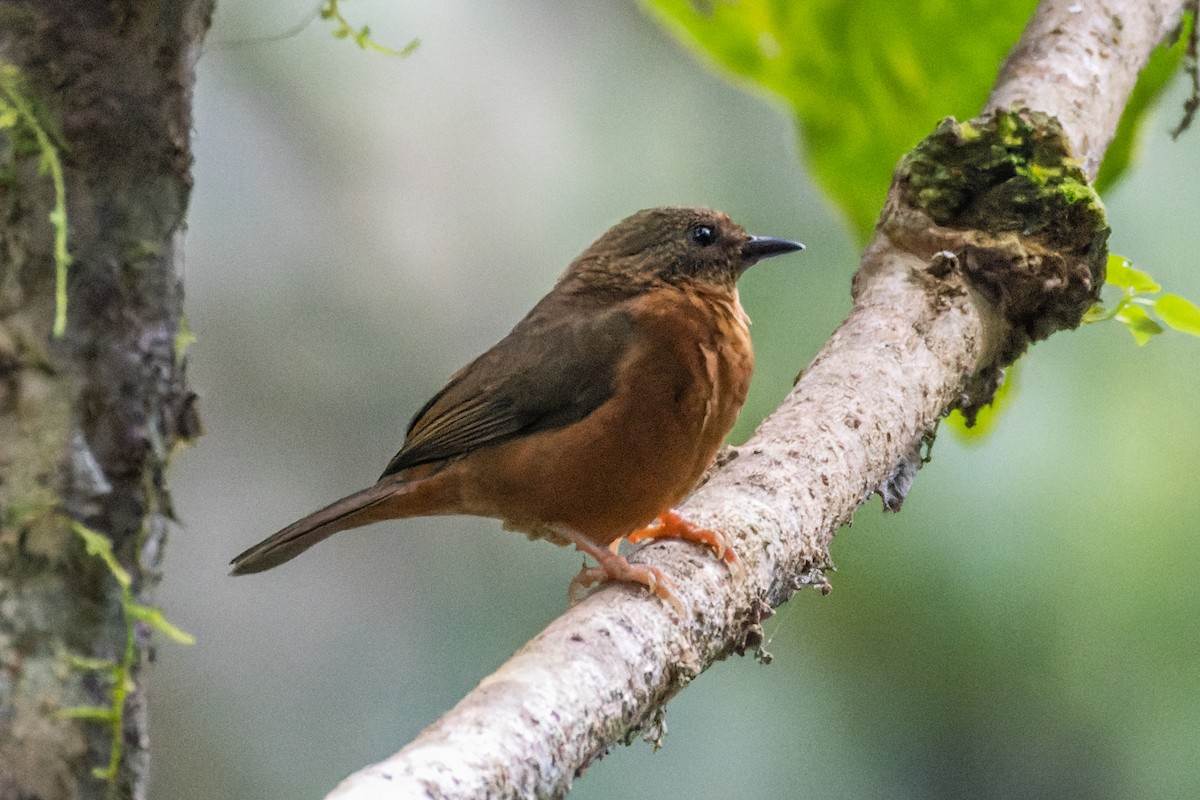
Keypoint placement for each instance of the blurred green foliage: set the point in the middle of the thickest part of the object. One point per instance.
(1151, 83)
(866, 81)
(331, 10)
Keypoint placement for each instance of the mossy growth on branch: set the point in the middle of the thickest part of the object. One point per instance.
(1008, 198)
(1009, 172)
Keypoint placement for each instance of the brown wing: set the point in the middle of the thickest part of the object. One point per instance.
(553, 369)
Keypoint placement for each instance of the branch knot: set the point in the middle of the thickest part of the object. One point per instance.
(1001, 197)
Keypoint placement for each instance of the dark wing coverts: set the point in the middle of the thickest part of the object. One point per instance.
(572, 371)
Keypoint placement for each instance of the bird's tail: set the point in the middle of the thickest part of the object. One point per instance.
(372, 504)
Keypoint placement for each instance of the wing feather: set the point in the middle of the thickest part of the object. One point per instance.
(554, 368)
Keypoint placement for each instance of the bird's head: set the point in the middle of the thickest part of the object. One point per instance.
(675, 245)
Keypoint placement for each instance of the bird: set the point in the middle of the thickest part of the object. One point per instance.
(594, 417)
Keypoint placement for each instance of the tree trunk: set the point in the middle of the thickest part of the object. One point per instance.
(88, 419)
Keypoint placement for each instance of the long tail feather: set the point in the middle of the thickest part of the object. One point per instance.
(360, 508)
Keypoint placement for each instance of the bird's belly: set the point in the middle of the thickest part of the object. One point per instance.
(635, 456)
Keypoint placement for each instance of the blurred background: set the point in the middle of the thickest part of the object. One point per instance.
(362, 226)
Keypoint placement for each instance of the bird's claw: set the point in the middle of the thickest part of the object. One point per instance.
(614, 567)
(672, 525)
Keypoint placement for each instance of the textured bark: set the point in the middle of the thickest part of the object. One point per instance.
(937, 310)
(1079, 62)
(88, 421)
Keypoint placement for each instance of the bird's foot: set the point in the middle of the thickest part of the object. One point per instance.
(671, 525)
(614, 567)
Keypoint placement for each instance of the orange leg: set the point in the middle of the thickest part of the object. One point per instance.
(671, 525)
(614, 567)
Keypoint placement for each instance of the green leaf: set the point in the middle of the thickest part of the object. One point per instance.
(155, 619)
(1121, 273)
(865, 81)
(1139, 323)
(1179, 313)
(98, 545)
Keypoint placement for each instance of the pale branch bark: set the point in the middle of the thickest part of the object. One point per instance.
(1079, 62)
(88, 420)
(921, 339)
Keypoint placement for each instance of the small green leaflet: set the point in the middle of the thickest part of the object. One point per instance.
(101, 547)
(155, 619)
(1139, 323)
(330, 10)
(1137, 309)
(1123, 274)
(119, 671)
(1179, 313)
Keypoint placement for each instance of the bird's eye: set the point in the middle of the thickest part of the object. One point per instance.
(703, 235)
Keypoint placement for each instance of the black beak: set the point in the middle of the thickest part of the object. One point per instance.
(757, 248)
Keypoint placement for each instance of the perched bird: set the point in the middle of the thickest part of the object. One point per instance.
(597, 414)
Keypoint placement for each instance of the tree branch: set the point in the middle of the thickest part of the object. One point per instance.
(932, 323)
